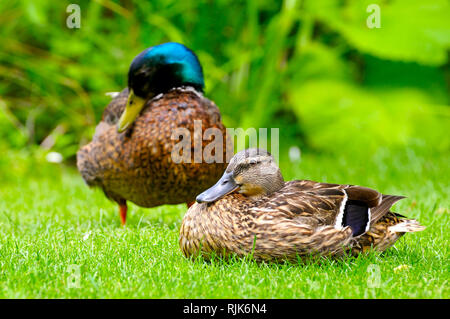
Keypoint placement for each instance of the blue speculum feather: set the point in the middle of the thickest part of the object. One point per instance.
(356, 215)
(188, 68)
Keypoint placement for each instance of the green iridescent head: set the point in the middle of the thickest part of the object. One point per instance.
(157, 70)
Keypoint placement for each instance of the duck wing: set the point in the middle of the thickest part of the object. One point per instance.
(115, 108)
(304, 220)
(324, 204)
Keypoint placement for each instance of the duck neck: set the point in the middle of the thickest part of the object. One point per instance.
(276, 183)
(268, 184)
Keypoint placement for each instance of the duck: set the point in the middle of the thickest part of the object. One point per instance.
(134, 155)
(252, 211)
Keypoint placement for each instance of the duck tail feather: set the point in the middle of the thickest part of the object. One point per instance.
(407, 226)
(386, 203)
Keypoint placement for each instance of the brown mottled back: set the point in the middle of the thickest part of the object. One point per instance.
(136, 165)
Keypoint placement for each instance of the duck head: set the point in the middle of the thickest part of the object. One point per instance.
(157, 70)
(252, 172)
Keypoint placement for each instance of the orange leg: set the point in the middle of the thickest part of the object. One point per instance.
(190, 204)
(123, 212)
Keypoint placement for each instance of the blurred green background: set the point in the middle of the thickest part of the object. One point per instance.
(312, 68)
(364, 106)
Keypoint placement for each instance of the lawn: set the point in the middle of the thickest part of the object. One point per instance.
(367, 105)
(60, 239)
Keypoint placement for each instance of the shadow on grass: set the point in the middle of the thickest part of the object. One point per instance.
(311, 261)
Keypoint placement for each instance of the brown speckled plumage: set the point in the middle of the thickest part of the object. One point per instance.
(297, 220)
(136, 165)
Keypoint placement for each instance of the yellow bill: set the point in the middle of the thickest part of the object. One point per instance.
(132, 110)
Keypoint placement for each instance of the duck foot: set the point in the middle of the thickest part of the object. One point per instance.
(123, 212)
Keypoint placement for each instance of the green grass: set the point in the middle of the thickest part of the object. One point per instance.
(319, 74)
(50, 220)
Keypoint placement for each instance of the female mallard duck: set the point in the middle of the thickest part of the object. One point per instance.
(130, 156)
(251, 210)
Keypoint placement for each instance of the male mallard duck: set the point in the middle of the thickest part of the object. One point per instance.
(252, 210)
(130, 154)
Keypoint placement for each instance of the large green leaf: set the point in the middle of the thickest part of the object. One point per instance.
(350, 117)
(410, 30)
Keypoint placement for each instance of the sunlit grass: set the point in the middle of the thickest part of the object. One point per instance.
(50, 220)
